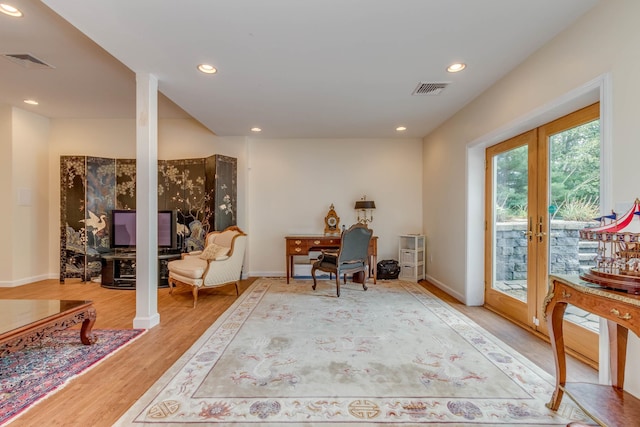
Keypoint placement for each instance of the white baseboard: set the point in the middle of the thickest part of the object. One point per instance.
(24, 281)
(446, 289)
(266, 274)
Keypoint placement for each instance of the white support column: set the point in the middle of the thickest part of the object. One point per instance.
(146, 202)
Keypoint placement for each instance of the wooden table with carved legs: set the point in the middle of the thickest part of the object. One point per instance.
(608, 405)
(23, 322)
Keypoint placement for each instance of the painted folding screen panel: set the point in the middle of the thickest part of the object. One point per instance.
(203, 192)
(87, 196)
(125, 183)
(221, 174)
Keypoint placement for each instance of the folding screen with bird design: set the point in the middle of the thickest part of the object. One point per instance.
(202, 191)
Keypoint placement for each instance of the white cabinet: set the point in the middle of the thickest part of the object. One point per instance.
(411, 256)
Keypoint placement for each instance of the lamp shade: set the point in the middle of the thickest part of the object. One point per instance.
(365, 204)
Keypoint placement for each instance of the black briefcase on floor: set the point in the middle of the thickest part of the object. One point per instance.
(388, 269)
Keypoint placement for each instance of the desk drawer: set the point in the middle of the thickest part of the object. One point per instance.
(303, 245)
(325, 242)
(297, 246)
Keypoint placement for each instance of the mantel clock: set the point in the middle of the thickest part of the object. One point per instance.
(331, 222)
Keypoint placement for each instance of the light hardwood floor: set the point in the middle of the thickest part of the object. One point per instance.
(103, 394)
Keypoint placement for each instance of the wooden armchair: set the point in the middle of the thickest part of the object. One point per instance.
(352, 257)
(219, 264)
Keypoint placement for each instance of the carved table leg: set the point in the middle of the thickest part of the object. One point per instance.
(555, 312)
(86, 335)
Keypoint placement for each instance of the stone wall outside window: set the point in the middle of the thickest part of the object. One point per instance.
(567, 254)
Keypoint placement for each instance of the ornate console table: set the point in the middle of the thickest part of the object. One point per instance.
(23, 322)
(607, 405)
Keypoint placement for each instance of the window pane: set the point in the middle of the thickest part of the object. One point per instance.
(574, 202)
(510, 222)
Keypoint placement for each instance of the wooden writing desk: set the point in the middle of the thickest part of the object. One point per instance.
(607, 405)
(302, 245)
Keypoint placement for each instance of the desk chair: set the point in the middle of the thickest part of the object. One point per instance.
(352, 257)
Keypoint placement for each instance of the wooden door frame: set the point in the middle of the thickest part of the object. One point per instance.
(578, 338)
(495, 300)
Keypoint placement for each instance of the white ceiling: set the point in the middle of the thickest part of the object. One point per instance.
(295, 68)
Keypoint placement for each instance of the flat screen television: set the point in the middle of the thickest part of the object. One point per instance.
(123, 229)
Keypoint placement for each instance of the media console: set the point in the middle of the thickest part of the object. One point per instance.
(119, 269)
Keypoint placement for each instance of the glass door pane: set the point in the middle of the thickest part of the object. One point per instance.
(510, 269)
(574, 202)
(510, 224)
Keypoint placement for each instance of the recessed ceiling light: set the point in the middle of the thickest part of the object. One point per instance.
(31, 101)
(256, 130)
(208, 69)
(458, 66)
(401, 128)
(7, 9)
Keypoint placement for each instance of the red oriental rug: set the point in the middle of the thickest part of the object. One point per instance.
(36, 372)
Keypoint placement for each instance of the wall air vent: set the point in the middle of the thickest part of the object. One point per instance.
(26, 60)
(429, 89)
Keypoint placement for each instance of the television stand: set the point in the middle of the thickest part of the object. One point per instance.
(119, 269)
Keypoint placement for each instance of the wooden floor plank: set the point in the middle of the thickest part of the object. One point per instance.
(102, 395)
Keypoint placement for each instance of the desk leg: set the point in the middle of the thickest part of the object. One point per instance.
(375, 268)
(555, 312)
(617, 353)
(288, 267)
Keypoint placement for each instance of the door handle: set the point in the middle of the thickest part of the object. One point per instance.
(529, 233)
(540, 233)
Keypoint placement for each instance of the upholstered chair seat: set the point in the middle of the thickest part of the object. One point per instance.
(190, 269)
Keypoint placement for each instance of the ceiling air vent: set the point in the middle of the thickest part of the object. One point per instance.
(429, 89)
(26, 60)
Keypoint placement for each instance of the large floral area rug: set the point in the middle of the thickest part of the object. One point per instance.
(35, 372)
(284, 354)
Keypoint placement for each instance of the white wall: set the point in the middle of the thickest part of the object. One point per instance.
(24, 176)
(30, 196)
(293, 182)
(6, 215)
(284, 186)
(604, 42)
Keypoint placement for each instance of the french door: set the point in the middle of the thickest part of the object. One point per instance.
(542, 187)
